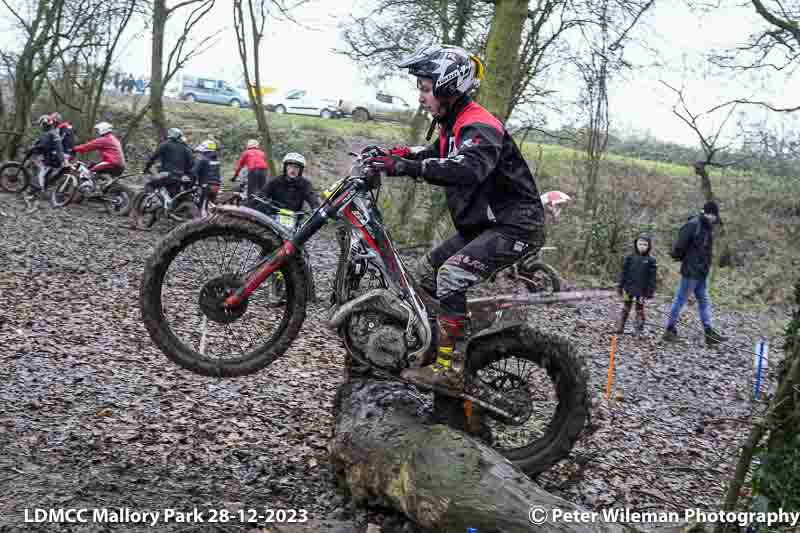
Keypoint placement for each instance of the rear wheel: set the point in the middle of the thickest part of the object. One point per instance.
(119, 200)
(280, 109)
(325, 113)
(146, 209)
(541, 380)
(188, 277)
(14, 177)
(235, 103)
(540, 278)
(185, 210)
(65, 191)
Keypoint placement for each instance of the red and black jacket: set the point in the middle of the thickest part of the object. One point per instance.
(488, 183)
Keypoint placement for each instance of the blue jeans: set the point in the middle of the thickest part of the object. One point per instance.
(688, 286)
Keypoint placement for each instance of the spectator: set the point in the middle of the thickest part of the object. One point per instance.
(637, 281)
(694, 249)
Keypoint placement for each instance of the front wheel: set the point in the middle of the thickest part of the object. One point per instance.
(190, 274)
(65, 191)
(540, 379)
(14, 177)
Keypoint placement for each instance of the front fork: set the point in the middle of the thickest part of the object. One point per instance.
(276, 259)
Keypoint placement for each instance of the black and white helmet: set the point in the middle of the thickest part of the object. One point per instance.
(453, 71)
(46, 122)
(295, 158)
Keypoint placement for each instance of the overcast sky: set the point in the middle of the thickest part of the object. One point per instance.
(300, 56)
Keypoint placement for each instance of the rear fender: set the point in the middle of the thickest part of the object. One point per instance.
(487, 335)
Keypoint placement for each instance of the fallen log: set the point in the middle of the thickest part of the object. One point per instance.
(386, 454)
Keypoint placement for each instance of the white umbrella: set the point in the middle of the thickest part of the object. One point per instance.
(551, 199)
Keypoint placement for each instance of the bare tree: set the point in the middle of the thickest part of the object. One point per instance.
(50, 29)
(513, 79)
(85, 71)
(257, 13)
(606, 29)
(709, 142)
(774, 48)
(181, 52)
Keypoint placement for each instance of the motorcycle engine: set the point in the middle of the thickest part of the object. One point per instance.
(379, 339)
(86, 187)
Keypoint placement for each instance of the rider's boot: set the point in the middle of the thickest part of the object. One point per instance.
(446, 373)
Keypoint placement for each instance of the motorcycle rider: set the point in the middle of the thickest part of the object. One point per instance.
(256, 162)
(66, 132)
(207, 172)
(491, 194)
(49, 145)
(174, 157)
(112, 157)
(291, 188)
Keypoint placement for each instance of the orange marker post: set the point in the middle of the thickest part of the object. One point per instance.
(611, 367)
(468, 410)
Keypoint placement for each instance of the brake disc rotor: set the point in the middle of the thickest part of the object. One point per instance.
(212, 298)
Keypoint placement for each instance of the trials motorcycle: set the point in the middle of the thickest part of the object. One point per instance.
(205, 304)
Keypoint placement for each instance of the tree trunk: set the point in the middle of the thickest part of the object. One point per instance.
(445, 481)
(258, 102)
(502, 56)
(24, 95)
(160, 14)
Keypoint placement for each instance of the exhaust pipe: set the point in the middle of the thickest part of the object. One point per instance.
(376, 300)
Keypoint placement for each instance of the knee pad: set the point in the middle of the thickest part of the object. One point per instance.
(452, 283)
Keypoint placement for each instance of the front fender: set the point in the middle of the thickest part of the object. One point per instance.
(256, 216)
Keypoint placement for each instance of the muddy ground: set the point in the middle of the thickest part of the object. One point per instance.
(93, 415)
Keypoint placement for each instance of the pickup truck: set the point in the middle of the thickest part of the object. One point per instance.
(379, 106)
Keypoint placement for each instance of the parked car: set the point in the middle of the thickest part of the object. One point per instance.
(379, 106)
(211, 91)
(303, 102)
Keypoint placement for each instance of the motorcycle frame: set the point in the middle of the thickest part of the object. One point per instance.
(351, 199)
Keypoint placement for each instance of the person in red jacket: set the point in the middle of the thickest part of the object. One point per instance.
(112, 159)
(256, 162)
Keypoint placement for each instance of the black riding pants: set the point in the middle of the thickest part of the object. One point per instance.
(459, 263)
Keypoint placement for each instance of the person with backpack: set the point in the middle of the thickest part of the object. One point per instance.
(255, 161)
(637, 281)
(694, 249)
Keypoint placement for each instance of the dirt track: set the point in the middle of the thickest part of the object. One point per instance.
(93, 415)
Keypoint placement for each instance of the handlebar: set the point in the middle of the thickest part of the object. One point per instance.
(280, 210)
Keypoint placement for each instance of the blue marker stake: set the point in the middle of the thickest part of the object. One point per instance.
(759, 367)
